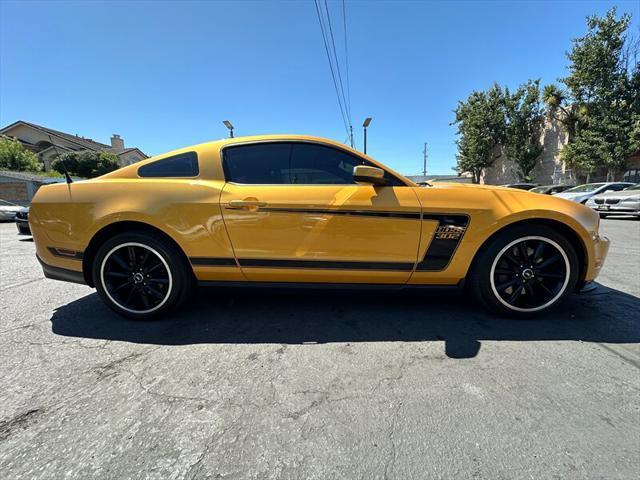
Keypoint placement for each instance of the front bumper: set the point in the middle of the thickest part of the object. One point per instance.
(600, 250)
(621, 208)
(23, 227)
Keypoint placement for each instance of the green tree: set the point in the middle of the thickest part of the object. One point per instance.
(86, 163)
(13, 156)
(560, 110)
(481, 129)
(601, 105)
(524, 121)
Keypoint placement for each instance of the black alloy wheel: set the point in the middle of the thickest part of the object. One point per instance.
(524, 270)
(140, 275)
(530, 273)
(136, 277)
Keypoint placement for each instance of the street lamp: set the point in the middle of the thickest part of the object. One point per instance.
(366, 123)
(228, 124)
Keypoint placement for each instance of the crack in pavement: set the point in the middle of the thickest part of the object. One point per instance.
(194, 469)
(20, 421)
(16, 285)
(626, 356)
(391, 463)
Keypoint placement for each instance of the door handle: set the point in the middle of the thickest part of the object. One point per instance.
(246, 204)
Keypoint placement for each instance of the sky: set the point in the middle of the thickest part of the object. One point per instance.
(165, 74)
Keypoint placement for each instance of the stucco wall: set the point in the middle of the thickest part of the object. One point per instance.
(548, 170)
(14, 192)
(129, 158)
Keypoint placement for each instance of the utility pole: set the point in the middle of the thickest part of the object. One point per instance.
(351, 135)
(424, 165)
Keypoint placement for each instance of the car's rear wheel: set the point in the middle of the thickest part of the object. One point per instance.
(525, 271)
(139, 275)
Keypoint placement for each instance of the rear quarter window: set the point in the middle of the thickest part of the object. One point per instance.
(181, 165)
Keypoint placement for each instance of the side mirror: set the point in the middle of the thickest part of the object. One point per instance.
(370, 175)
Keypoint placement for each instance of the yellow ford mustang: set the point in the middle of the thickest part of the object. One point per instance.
(290, 209)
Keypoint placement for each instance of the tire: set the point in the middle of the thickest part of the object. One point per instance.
(502, 282)
(159, 280)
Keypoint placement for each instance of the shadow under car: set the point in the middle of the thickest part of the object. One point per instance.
(249, 316)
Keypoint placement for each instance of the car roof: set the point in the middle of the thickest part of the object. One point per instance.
(224, 142)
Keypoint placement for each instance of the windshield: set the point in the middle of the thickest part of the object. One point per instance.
(589, 187)
(539, 189)
(634, 187)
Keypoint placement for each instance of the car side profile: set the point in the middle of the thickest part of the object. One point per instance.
(582, 193)
(551, 189)
(292, 210)
(521, 186)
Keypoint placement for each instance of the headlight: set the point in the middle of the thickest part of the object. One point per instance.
(591, 201)
(635, 199)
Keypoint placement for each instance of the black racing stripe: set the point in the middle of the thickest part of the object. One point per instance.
(213, 262)
(325, 264)
(354, 213)
(65, 253)
(446, 238)
(445, 241)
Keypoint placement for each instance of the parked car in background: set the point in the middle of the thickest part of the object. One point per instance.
(582, 193)
(8, 210)
(521, 186)
(551, 189)
(625, 202)
(22, 221)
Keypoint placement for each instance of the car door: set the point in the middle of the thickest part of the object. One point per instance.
(294, 214)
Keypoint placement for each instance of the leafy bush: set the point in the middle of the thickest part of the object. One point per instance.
(86, 163)
(13, 156)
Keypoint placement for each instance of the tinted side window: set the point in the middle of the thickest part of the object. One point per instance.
(182, 165)
(266, 163)
(293, 164)
(319, 165)
(322, 165)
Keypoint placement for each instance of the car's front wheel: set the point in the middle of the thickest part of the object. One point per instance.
(139, 275)
(525, 271)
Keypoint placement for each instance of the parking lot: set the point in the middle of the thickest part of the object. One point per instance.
(318, 385)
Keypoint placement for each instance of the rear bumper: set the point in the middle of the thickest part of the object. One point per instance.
(62, 274)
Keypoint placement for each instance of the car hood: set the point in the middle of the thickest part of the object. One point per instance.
(10, 208)
(572, 195)
(622, 193)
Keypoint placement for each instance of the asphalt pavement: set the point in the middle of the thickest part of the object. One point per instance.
(265, 384)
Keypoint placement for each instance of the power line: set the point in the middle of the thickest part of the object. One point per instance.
(333, 75)
(346, 54)
(335, 56)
